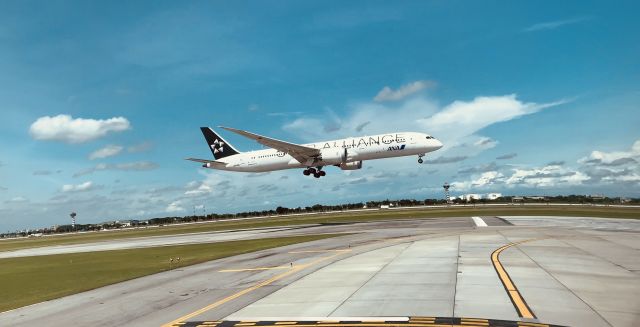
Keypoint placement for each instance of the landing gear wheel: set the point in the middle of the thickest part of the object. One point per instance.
(312, 170)
(316, 175)
(322, 173)
(420, 160)
(306, 172)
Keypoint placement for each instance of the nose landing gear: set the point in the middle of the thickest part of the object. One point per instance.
(420, 158)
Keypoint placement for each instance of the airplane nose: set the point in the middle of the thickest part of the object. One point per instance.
(438, 144)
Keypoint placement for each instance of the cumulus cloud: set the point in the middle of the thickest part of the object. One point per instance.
(615, 158)
(130, 166)
(507, 156)
(388, 94)
(105, 152)
(75, 130)
(486, 179)
(547, 176)
(601, 169)
(175, 206)
(83, 187)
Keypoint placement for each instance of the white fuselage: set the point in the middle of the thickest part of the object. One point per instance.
(347, 150)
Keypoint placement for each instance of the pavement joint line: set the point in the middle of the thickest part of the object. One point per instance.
(181, 321)
(518, 301)
(255, 269)
(317, 251)
(250, 289)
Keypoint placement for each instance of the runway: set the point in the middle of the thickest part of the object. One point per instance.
(466, 271)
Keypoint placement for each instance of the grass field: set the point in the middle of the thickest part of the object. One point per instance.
(517, 210)
(29, 280)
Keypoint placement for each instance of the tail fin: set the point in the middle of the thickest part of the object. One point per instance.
(219, 147)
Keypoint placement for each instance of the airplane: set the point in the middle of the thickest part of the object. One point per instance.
(347, 154)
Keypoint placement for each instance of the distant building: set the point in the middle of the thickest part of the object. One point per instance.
(493, 196)
(469, 197)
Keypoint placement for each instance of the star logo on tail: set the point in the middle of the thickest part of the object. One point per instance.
(217, 146)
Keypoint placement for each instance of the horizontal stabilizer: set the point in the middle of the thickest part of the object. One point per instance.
(205, 161)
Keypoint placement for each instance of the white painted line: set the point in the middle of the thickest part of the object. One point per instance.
(479, 222)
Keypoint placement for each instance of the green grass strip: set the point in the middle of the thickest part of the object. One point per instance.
(515, 210)
(29, 280)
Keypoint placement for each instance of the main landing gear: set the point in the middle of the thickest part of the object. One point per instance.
(420, 158)
(315, 172)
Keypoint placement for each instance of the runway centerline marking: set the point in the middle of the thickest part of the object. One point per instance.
(518, 301)
(252, 288)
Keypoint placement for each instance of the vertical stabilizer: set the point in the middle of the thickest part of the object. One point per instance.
(219, 147)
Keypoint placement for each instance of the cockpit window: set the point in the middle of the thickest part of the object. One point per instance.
(429, 137)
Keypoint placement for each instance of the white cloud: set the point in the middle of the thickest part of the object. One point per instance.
(107, 151)
(129, 166)
(388, 94)
(17, 199)
(616, 158)
(462, 118)
(75, 130)
(455, 124)
(547, 176)
(486, 179)
(83, 187)
(175, 206)
(140, 147)
(554, 24)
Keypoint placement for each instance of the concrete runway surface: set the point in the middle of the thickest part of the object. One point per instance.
(515, 271)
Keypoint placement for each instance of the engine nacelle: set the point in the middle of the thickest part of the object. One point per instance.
(333, 156)
(337, 156)
(351, 165)
(206, 165)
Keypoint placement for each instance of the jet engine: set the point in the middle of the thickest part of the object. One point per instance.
(336, 156)
(351, 165)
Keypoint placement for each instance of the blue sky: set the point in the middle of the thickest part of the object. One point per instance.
(101, 101)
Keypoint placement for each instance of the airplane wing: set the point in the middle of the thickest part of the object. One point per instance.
(300, 152)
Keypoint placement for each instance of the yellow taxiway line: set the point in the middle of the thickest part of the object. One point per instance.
(250, 289)
(518, 301)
